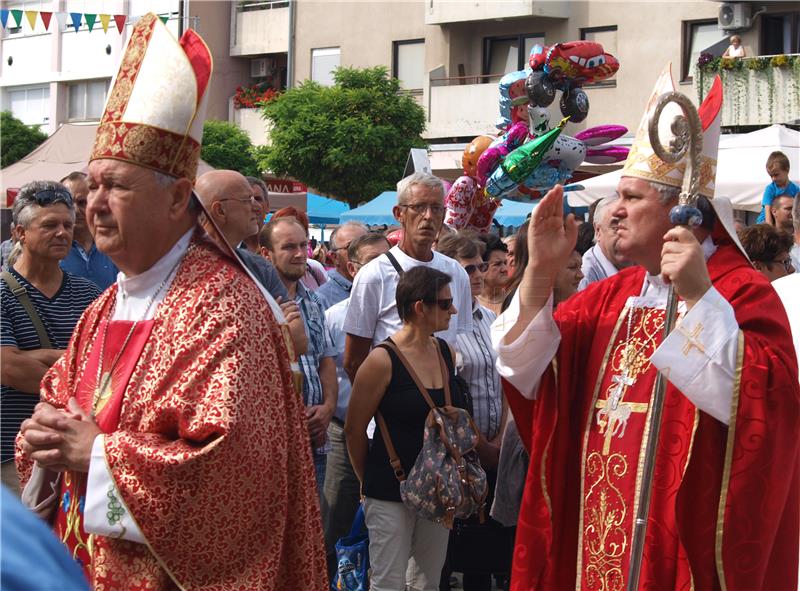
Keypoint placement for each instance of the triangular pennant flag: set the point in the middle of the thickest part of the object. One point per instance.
(164, 18)
(104, 18)
(61, 19)
(17, 14)
(31, 16)
(90, 20)
(120, 20)
(76, 20)
(4, 17)
(46, 16)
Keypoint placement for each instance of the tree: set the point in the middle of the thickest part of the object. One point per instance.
(349, 140)
(18, 139)
(228, 147)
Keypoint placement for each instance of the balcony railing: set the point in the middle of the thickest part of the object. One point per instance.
(756, 91)
(440, 12)
(250, 5)
(260, 28)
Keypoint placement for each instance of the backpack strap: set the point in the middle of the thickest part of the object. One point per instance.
(394, 460)
(23, 298)
(394, 262)
(389, 344)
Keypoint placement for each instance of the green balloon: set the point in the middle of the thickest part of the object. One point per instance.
(521, 163)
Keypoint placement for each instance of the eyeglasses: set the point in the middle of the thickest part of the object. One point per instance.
(251, 199)
(51, 196)
(482, 267)
(421, 208)
(444, 304)
(787, 263)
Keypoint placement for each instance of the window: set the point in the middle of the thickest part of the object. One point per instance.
(323, 63)
(85, 100)
(30, 105)
(607, 37)
(698, 36)
(502, 55)
(408, 63)
(780, 33)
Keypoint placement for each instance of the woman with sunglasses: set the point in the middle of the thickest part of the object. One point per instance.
(480, 551)
(399, 540)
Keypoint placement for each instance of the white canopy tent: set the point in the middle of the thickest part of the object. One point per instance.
(741, 175)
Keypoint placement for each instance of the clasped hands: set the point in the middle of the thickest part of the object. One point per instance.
(60, 439)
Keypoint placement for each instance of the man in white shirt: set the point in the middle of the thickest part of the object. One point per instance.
(603, 260)
(372, 313)
(580, 381)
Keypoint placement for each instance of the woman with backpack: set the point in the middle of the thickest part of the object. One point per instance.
(405, 549)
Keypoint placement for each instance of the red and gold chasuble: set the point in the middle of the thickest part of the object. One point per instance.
(615, 439)
(69, 519)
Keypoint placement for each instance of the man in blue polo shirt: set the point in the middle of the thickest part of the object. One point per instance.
(84, 260)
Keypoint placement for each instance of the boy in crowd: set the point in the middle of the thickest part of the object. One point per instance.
(778, 170)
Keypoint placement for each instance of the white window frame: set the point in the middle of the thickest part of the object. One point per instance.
(324, 52)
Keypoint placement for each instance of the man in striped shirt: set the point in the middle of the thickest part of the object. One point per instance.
(284, 241)
(44, 216)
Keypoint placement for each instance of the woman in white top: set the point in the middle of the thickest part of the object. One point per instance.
(735, 49)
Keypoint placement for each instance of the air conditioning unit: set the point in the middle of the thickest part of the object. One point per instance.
(262, 67)
(734, 16)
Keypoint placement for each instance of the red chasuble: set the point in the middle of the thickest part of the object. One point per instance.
(210, 452)
(724, 512)
(107, 404)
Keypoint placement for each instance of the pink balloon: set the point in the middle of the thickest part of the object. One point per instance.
(459, 202)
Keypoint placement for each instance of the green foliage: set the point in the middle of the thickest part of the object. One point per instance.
(349, 140)
(226, 146)
(18, 139)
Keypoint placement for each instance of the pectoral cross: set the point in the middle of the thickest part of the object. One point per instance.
(102, 393)
(692, 342)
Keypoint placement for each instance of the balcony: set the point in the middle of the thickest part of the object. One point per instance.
(756, 90)
(442, 12)
(250, 121)
(259, 27)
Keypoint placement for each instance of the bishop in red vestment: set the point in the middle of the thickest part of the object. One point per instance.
(172, 429)
(724, 510)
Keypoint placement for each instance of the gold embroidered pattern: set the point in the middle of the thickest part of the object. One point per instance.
(605, 538)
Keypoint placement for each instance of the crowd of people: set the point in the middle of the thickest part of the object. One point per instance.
(193, 400)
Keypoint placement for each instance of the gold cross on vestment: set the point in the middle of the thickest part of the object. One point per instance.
(692, 341)
(617, 419)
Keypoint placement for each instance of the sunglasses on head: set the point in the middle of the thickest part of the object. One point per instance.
(482, 267)
(50, 196)
(444, 304)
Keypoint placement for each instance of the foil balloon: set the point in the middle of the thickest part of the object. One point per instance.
(513, 99)
(394, 237)
(459, 202)
(473, 151)
(499, 149)
(521, 163)
(482, 215)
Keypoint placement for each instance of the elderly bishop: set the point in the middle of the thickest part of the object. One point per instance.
(171, 429)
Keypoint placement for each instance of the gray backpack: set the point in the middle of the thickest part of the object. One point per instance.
(447, 480)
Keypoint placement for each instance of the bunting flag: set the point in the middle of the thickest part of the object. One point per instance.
(31, 16)
(76, 20)
(164, 18)
(120, 20)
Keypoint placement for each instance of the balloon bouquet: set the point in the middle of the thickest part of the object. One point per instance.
(531, 156)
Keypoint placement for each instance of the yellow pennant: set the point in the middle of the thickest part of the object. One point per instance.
(31, 16)
(104, 20)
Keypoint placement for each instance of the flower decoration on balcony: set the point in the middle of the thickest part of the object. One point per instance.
(707, 62)
(780, 61)
(759, 64)
(255, 95)
(730, 63)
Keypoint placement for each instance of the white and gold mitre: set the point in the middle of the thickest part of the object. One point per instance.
(642, 160)
(156, 108)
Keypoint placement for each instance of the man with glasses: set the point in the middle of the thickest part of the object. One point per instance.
(84, 260)
(372, 315)
(340, 280)
(342, 489)
(229, 200)
(40, 306)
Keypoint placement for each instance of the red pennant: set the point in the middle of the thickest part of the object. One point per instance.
(46, 16)
(120, 20)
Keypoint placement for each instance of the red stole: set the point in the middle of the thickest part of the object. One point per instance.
(69, 518)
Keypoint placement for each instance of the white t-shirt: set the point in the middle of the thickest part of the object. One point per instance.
(372, 312)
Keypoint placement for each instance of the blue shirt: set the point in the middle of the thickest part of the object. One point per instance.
(336, 289)
(320, 343)
(93, 265)
(771, 193)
